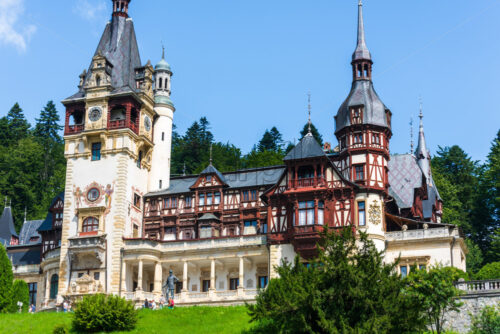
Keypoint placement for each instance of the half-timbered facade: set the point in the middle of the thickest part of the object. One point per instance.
(123, 222)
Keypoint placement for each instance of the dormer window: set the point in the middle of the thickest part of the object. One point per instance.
(357, 115)
(208, 178)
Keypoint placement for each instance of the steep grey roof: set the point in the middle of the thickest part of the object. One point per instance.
(24, 256)
(30, 230)
(7, 229)
(119, 45)
(308, 147)
(422, 153)
(404, 177)
(47, 223)
(361, 51)
(239, 179)
(212, 170)
(362, 94)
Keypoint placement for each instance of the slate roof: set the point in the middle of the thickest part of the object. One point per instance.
(361, 51)
(374, 110)
(29, 230)
(212, 170)
(404, 176)
(119, 45)
(308, 147)
(239, 179)
(24, 255)
(47, 223)
(7, 229)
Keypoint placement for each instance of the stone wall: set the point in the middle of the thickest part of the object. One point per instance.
(472, 305)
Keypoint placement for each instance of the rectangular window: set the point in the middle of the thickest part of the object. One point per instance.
(250, 227)
(201, 199)
(358, 138)
(306, 213)
(422, 267)
(343, 142)
(361, 214)
(233, 283)
(32, 291)
(321, 215)
(359, 171)
(217, 198)
(253, 195)
(209, 199)
(404, 271)
(137, 201)
(206, 285)
(96, 275)
(246, 195)
(163, 136)
(262, 282)
(187, 201)
(263, 228)
(376, 138)
(160, 184)
(205, 232)
(96, 151)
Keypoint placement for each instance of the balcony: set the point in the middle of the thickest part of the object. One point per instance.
(430, 233)
(123, 123)
(94, 242)
(73, 129)
(312, 182)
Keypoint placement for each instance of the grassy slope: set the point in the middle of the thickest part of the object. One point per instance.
(191, 320)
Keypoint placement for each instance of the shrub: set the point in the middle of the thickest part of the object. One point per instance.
(104, 313)
(60, 329)
(489, 271)
(6, 278)
(455, 274)
(20, 293)
(487, 321)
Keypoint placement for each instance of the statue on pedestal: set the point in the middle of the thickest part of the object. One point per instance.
(169, 286)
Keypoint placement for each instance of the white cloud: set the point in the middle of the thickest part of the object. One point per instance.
(12, 32)
(90, 10)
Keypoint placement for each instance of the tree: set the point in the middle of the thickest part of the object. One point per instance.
(272, 140)
(435, 292)
(489, 271)
(47, 126)
(314, 131)
(6, 277)
(18, 125)
(487, 321)
(474, 258)
(20, 293)
(257, 158)
(337, 293)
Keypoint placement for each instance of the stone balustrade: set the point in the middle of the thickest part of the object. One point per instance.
(90, 242)
(479, 287)
(439, 232)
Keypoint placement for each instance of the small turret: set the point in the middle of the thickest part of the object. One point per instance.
(421, 153)
(163, 75)
(120, 7)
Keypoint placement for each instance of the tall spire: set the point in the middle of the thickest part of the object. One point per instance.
(411, 135)
(361, 51)
(309, 133)
(210, 154)
(422, 154)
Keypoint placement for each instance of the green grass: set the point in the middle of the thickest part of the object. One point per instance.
(190, 320)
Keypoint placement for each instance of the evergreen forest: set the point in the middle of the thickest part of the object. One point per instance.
(32, 172)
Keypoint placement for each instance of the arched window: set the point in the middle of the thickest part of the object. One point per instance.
(54, 284)
(160, 81)
(139, 159)
(90, 224)
(166, 84)
(98, 80)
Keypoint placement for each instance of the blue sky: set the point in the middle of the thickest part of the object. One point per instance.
(248, 65)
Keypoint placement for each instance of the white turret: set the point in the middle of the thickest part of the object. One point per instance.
(159, 176)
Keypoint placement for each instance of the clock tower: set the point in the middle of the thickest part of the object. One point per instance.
(108, 146)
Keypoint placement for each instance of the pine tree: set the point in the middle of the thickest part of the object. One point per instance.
(6, 277)
(18, 125)
(47, 126)
(314, 131)
(272, 140)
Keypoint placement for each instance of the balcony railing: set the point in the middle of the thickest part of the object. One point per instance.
(476, 287)
(308, 182)
(123, 123)
(72, 129)
(88, 242)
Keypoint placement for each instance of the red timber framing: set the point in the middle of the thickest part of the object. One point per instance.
(316, 187)
(124, 112)
(75, 118)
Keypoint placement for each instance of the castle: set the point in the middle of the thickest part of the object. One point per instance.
(122, 222)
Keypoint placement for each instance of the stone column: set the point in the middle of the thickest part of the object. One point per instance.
(124, 276)
(139, 277)
(212, 274)
(241, 277)
(47, 288)
(158, 279)
(185, 277)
